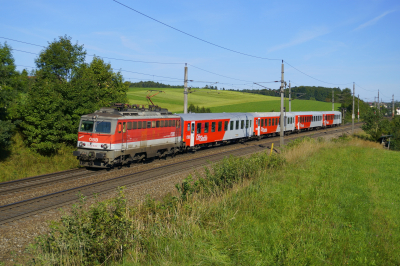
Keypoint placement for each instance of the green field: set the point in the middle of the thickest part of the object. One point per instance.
(222, 101)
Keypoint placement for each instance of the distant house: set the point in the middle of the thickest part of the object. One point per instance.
(397, 111)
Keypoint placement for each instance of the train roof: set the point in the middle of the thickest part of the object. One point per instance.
(211, 116)
(264, 114)
(119, 110)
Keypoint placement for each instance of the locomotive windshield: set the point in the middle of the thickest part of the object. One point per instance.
(103, 127)
(95, 126)
(87, 126)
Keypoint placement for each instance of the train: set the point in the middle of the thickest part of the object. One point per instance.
(123, 134)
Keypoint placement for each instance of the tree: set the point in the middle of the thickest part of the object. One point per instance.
(63, 92)
(374, 123)
(61, 58)
(8, 93)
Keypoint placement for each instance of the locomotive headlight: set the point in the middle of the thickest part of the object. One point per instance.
(81, 144)
(104, 146)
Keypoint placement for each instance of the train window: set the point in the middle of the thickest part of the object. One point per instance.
(247, 123)
(273, 121)
(178, 123)
(162, 123)
(123, 127)
(266, 121)
(192, 128)
(144, 124)
(139, 125)
(226, 126)
(173, 123)
(262, 122)
(219, 126)
(269, 121)
(241, 124)
(102, 127)
(232, 124)
(256, 121)
(213, 127)
(237, 124)
(134, 126)
(87, 126)
(158, 123)
(148, 124)
(198, 128)
(188, 127)
(129, 125)
(206, 127)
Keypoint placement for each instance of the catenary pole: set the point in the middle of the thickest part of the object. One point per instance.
(282, 141)
(185, 92)
(358, 109)
(352, 116)
(392, 105)
(379, 104)
(333, 101)
(290, 98)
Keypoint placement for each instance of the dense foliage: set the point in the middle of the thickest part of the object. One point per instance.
(65, 88)
(12, 86)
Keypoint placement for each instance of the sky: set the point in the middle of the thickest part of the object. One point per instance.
(322, 43)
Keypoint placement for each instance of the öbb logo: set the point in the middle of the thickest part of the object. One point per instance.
(94, 139)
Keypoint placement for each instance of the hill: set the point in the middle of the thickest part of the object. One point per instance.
(222, 101)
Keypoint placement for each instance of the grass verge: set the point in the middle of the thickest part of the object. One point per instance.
(317, 203)
(20, 162)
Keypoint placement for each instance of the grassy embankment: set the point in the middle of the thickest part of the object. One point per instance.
(20, 162)
(330, 203)
(223, 101)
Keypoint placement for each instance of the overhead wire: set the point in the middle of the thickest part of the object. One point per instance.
(93, 55)
(188, 34)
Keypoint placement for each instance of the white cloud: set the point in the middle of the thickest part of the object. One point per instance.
(373, 21)
(302, 37)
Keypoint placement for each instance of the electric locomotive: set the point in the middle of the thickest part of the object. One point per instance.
(126, 133)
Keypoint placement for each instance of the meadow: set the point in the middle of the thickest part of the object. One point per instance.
(222, 101)
(317, 203)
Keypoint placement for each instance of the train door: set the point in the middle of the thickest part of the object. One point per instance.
(177, 127)
(258, 126)
(124, 136)
(192, 133)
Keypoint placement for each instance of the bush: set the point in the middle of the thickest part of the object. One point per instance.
(231, 170)
(104, 232)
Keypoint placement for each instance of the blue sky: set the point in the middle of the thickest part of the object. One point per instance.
(337, 42)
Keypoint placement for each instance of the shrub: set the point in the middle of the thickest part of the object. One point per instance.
(87, 236)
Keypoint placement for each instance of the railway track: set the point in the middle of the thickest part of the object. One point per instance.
(43, 180)
(25, 208)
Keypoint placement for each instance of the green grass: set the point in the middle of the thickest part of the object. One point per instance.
(222, 101)
(21, 162)
(338, 206)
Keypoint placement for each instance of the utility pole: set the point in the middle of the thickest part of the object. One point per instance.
(185, 92)
(379, 105)
(290, 98)
(282, 141)
(352, 116)
(392, 105)
(333, 101)
(358, 109)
